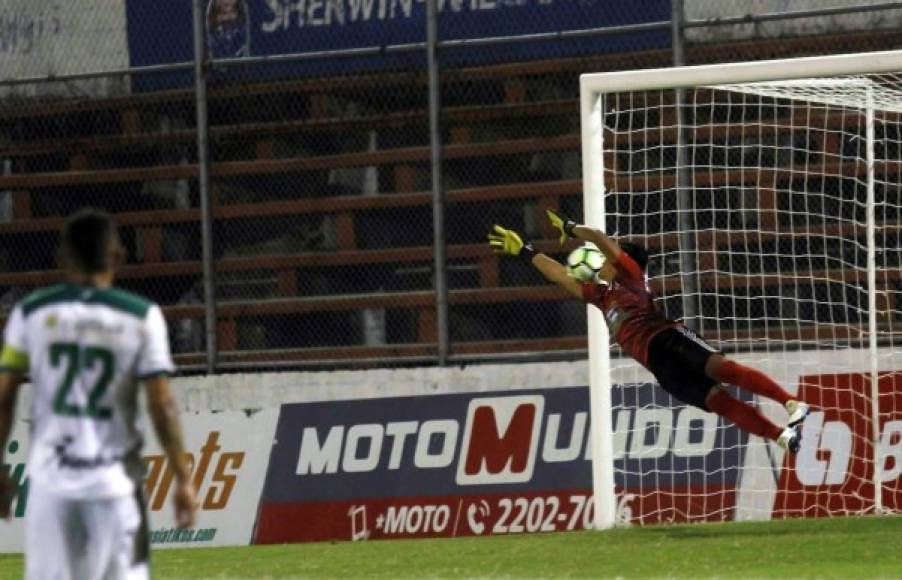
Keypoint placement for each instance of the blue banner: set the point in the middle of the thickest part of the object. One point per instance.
(161, 31)
(493, 442)
(490, 463)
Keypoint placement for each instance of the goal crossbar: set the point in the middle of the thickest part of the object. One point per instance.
(741, 72)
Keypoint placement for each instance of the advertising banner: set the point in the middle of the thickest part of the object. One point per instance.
(833, 473)
(486, 463)
(160, 31)
(228, 452)
(498, 449)
(12, 530)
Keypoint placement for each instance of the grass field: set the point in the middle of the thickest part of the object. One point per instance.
(836, 548)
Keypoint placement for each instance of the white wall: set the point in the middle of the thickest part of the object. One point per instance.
(707, 9)
(256, 391)
(57, 37)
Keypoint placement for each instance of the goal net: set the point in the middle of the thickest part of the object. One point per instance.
(771, 212)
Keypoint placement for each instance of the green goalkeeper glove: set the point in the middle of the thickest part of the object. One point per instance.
(562, 223)
(509, 242)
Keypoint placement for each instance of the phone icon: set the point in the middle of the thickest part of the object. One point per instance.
(475, 514)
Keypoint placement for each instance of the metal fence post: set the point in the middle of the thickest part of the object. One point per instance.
(203, 166)
(688, 261)
(438, 193)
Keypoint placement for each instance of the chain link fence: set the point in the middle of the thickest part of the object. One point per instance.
(95, 142)
(321, 190)
(732, 30)
(322, 238)
(511, 138)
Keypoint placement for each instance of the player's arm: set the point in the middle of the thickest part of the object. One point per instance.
(13, 369)
(570, 229)
(164, 416)
(555, 272)
(9, 391)
(508, 242)
(154, 367)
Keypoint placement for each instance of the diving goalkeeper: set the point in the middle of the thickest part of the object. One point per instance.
(684, 365)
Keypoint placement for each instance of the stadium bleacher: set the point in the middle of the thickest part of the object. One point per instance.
(283, 211)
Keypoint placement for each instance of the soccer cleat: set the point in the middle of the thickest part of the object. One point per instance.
(797, 410)
(790, 439)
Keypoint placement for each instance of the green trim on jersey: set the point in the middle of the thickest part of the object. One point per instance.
(121, 300)
(47, 296)
(116, 298)
(154, 374)
(13, 360)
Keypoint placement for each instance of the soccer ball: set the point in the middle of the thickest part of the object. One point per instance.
(584, 262)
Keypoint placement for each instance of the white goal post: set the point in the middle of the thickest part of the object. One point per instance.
(768, 196)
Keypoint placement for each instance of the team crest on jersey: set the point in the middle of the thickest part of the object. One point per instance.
(51, 321)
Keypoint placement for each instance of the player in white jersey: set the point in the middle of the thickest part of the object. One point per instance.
(86, 346)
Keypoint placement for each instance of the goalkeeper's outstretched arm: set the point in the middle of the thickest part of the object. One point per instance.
(570, 229)
(555, 272)
(505, 241)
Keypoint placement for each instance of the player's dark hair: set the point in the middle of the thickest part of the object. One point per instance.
(87, 240)
(637, 253)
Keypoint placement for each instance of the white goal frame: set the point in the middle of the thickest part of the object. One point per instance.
(593, 87)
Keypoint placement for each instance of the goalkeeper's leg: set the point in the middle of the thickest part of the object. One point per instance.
(698, 355)
(748, 418)
(680, 361)
(724, 370)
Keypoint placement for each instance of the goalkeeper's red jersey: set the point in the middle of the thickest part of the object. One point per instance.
(629, 308)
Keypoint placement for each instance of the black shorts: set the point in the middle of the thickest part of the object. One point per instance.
(677, 358)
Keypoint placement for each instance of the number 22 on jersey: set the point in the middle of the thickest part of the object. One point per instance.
(75, 359)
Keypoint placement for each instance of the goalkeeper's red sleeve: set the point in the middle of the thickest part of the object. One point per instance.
(744, 415)
(751, 380)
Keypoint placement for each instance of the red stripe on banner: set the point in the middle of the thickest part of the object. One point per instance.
(484, 514)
